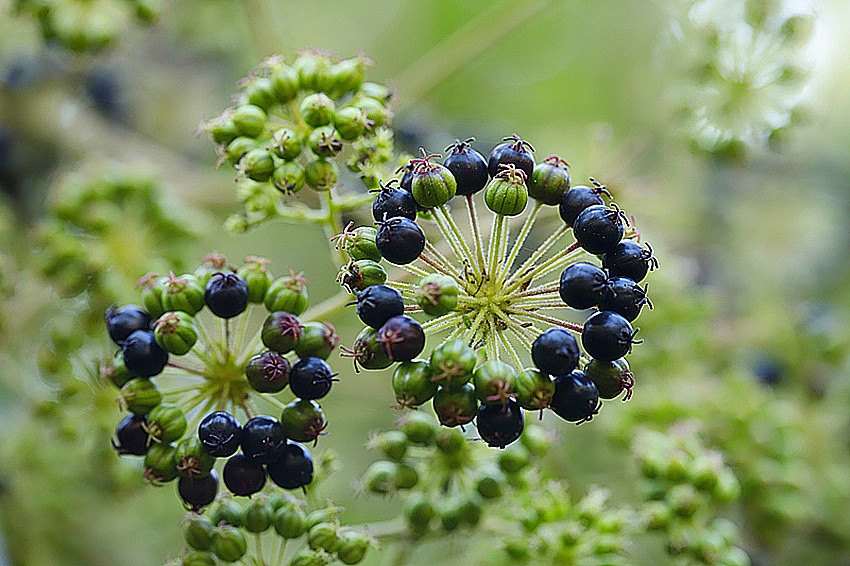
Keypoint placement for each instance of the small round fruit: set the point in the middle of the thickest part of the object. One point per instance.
(468, 167)
(160, 466)
(132, 436)
(317, 109)
(124, 320)
(582, 285)
(368, 352)
(140, 395)
(452, 363)
(288, 294)
(456, 407)
(257, 164)
(243, 476)
(293, 468)
(534, 389)
(392, 201)
(402, 337)
(360, 244)
(249, 120)
(268, 372)
(198, 532)
(610, 378)
(290, 521)
(289, 177)
(576, 398)
(255, 272)
(198, 492)
(257, 517)
(226, 295)
(432, 184)
(500, 425)
(321, 174)
(506, 193)
(229, 544)
(515, 151)
(575, 200)
(303, 420)
(630, 259)
(286, 144)
(175, 332)
(318, 339)
(400, 240)
(555, 352)
(311, 378)
(192, 459)
(607, 336)
(262, 439)
(624, 297)
(281, 331)
(220, 434)
(598, 229)
(437, 294)
(142, 355)
(550, 180)
(412, 383)
(495, 382)
(166, 423)
(377, 304)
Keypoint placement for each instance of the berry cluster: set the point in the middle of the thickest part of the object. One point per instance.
(288, 125)
(84, 25)
(218, 375)
(489, 304)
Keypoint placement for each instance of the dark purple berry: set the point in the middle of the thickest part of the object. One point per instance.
(393, 201)
(311, 378)
(607, 336)
(142, 355)
(226, 294)
(379, 303)
(514, 151)
(582, 285)
(124, 320)
(576, 398)
(220, 434)
(555, 352)
(293, 468)
(402, 338)
(468, 167)
(598, 229)
(575, 200)
(132, 436)
(624, 297)
(630, 259)
(400, 240)
(262, 439)
(267, 372)
(499, 425)
(243, 476)
(198, 492)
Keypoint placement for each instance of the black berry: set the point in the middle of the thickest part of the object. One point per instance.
(262, 439)
(468, 167)
(624, 297)
(124, 320)
(598, 229)
(514, 151)
(575, 200)
(393, 201)
(630, 259)
(142, 355)
(500, 424)
(582, 285)
(226, 294)
(132, 436)
(243, 476)
(311, 378)
(555, 352)
(402, 338)
(293, 468)
(379, 303)
(198, 492)
(400, 240)
(220, 434)
(607, 336)
(576, 398)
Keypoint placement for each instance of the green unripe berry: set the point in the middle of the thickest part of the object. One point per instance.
(258, 165)
(536, 439)
(140, 395)
(260, 93)
(255, 272)
(450, 513)
(257, 517)
(412, 383)
(116, 372)
(610, 378)
(303, 420)
(534, 389)
(455, 407)
(325, 142)
(317, 339)
(362, 273)
(175, 331)
(323, 515)
(494, 381)
(323, 537)
(517, 548)
(238, 147)
(506, 193)
(198, 532)
(489, 483)
(221, 129)
(514, 459)
(249, 120)
(550, 179)
(289, 177)
(288, 294)
(166, 423)
(228, 512)
(437, 294)
(419, 511)
(380, 477)
(281, 331)
(406, 476)
(160, 466)
(703, 473)
(369, 352)
(374, 110)
(321, 174)
(433, 185)
(450, 441)
(197, 558)
(393, 443)
(192, 458)
(229, 544)
(317, 110)
(360, 244)
(183, 293)
(290, 521)
(352, 546)
(420, 428)
(350, 123)
(152, 289)
(314, 72)
(309, 557)
(284, 83)
(471, 510)
(286, 144)
(347, 75)
(683, 500)
(377, 91)
(452, 364)
(657, 515)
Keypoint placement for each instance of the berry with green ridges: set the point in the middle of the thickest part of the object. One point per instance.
(362, 273)
(437, 294)
(412, 383)
(259, 92)
(506, 193)
(352, 546)
(432, 184)
(303, 420)
(495, 382)
(288, 294)
(228, 512)
(257, 164)
(325, 142)
(534, 389)
(140, 395)
(350, 123)
(237, 148)
(317, 110)
(166, 423)
(192, 458)
(322, 536)
(360, 244)
(255, 272)
(160, 466)
(257, 517)
(198, 532)
(286, 144)
(321, 174)
(249, 120)
(420, 428)
(184, 293)
(550, 179)
(175, 332)
(284, 81)
(229, 544)
(318, 339)
(290, 521)
(452, 363)
(281, 332)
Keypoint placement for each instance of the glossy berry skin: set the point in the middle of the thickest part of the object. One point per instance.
(198, 492)
(432, 185)
(293, 468)
(243, 476)
(582, 285)
(624, 297)
(281, 331)
(367, 352)
(226, 295)
(555, 352)
(412, 383)
(379, 303)
(456, 407)
(400, 240)
(142, 355)
(268, 372)
(576, 398)
(500, 425)
(629, 259)
(303, 420)
(220, 434)
(402, 338)
(576, 199)
(549, 181)
(124, 320)
(132, 437)
(513, 151)
(262, 439)
(393, 201)
(311, 378)
(468, 167)
(598, 229)
(607, 336)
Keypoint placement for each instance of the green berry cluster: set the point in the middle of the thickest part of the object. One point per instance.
(87, 25)
(289, 125)
(685, 485)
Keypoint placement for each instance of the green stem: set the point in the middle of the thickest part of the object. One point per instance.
(473, 330)
(436, 265)
(443, 212)
(539, 252)
(494, 245)
(473, 221)
(447, 234)
(441, 258)
(441, 322)
(554, 263)
(509, 347)
(259, 541)
(243, 323)
(520, 240)
(543, 318)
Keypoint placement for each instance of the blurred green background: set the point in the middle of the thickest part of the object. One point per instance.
(749, 334)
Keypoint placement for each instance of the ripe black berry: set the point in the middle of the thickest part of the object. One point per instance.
(400, 240)
(607, 336)
(198, 492)
(598, 229)
(582, 285)
(124, 320)
(393, 201)
(514, 150)
(142, 355)
(379, 303)
(293, 468)
(578, 198)
(468, 167)
(402, 338)
(262, 439)
(630, 259)
(576, 398)
(220, 434)
(555, 352)
(226, 295)
(132, 436)
(624, 297)
(499, 425)
(243, 476)
(311, 378)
